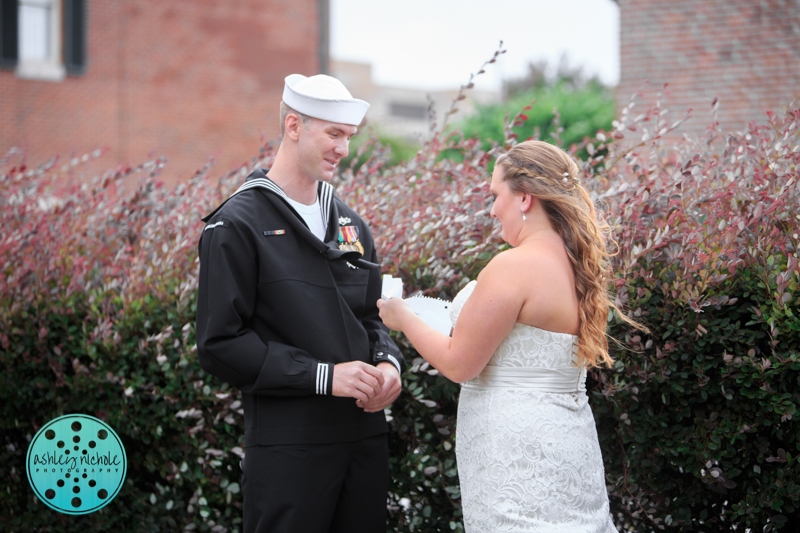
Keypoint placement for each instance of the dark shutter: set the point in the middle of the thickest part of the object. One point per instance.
(76, 25)
(9, 35)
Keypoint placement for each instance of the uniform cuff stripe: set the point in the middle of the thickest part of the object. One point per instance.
(394, 361)
(322, 378)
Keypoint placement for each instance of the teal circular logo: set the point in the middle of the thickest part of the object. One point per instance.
(76, 464)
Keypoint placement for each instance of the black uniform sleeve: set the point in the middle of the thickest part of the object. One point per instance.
(227, 346)
(382, 346)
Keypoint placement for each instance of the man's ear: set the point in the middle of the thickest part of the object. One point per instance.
(292, 126)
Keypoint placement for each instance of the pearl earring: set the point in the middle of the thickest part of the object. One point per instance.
(523, 216)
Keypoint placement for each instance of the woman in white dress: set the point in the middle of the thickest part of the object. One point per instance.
(524, 334)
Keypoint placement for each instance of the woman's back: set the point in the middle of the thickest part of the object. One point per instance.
(526, 346)
(540, 271)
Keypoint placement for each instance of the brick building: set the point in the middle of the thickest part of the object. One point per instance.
(186, 79)
(744, 52)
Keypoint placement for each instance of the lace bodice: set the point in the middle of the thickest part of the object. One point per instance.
(528, 459)
(526, 346)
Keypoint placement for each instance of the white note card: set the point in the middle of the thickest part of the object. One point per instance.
(392, 287)
(432, 311)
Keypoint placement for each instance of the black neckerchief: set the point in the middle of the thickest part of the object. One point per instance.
(275, 195)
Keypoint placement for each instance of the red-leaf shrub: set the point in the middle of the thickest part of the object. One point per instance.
(697, 420)
(98, 288)
(697, 424)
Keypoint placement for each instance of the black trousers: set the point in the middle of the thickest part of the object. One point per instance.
(316, 488)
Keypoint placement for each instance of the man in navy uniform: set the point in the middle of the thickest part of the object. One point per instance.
(286, 313)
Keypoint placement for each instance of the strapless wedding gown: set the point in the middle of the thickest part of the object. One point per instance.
(526, 443)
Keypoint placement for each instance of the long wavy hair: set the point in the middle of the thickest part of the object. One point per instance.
(550, 175)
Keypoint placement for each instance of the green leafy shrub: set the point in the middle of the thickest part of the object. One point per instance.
(556, 111)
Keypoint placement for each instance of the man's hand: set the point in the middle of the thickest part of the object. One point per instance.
(358, 380)
(388, 393)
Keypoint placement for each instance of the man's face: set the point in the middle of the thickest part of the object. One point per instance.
(321, 146)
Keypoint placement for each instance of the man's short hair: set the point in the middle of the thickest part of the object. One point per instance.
(285, 110)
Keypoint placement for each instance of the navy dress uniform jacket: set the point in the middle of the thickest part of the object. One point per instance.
(277, 308)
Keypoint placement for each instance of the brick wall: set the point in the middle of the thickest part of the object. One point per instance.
(186, 79)
(745, 52)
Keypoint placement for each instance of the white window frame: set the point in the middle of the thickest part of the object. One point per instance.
(52, 68)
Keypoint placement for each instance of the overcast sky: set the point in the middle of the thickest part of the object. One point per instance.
(436, 44)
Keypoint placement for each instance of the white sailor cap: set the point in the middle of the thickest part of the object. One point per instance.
(323, 97)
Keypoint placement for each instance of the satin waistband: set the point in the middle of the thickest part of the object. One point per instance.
(556, 380)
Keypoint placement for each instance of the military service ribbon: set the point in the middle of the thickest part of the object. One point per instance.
(348, 239)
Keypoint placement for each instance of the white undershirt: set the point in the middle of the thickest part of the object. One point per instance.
(312, 215)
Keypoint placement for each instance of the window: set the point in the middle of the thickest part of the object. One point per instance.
(35, 20)
(43, 39)
(76, 24)
(39, 39)
(9, 40)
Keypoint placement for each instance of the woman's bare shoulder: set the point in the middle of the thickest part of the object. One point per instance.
(498, 266)
(523, 267)
(540, 254)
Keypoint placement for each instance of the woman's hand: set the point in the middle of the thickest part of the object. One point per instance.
(393, 312)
